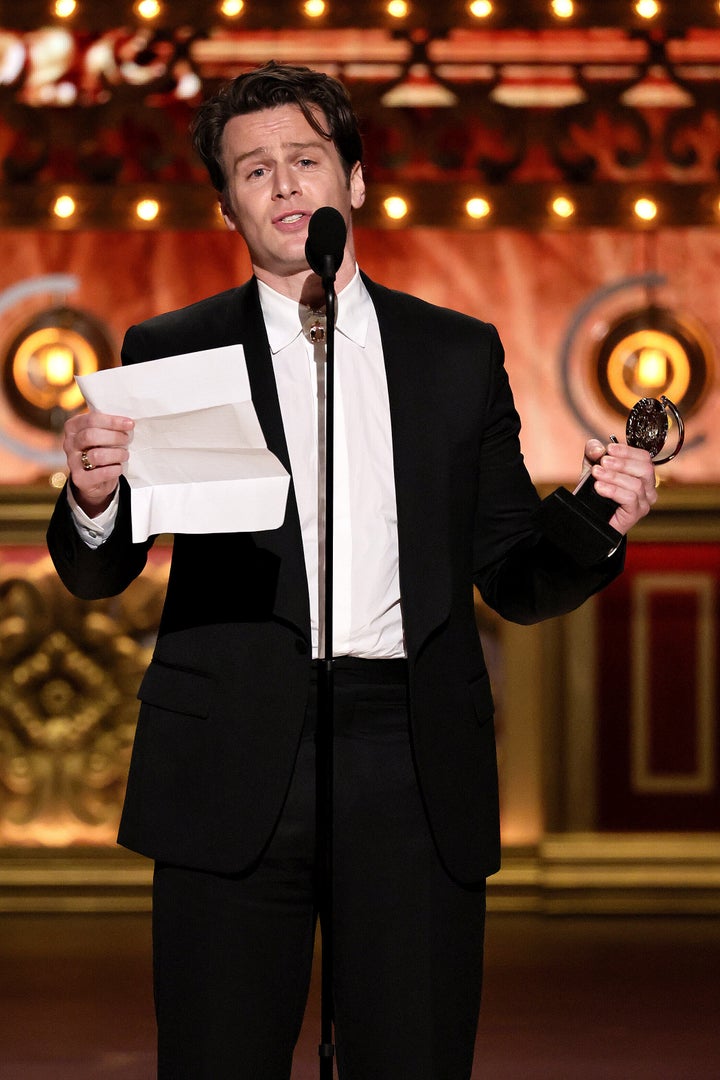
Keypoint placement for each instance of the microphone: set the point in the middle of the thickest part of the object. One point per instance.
(325, 244)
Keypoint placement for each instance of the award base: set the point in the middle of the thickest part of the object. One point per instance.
(578, 523)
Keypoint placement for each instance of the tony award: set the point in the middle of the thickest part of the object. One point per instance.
(578, 522)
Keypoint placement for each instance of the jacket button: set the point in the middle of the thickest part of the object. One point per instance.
(301, 647)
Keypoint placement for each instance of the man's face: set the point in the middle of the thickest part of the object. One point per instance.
(279, 171)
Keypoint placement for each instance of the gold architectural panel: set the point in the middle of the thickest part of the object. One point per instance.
(69, 672)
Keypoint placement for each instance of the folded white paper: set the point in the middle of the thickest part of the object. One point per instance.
(198, 460)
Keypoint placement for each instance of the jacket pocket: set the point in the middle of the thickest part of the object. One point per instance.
(482, 698)
(176, 690)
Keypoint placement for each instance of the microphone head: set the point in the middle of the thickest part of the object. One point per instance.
(325, 244)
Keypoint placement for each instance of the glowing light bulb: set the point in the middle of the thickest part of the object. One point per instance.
(563, 9)
(147, 209)
(480, 9)
(398, 9)
(477, 208)
(395, 207)
(645, 209)
(65, 8)
(148, 9)
(651, 369)
(563, 207)
(59, 365)
(647, 9)
(64, 206)
(231, 8)
(314, 8)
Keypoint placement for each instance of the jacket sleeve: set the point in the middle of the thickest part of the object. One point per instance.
(519, 572)
(94, 573)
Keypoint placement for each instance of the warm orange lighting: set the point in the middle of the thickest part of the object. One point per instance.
(147, 209)
(563, 9)
(42, 361)
(314, 8)
(647, 9)
(480, 8)
(563, 207)
(231, 8)
(59, 365)
(395, 207)
(65, 8)
(648, 362)
(45, 364)
(652, 368)
(645, 209)
(477, 208)
(398, 9)
(148, 9)
(64, 206)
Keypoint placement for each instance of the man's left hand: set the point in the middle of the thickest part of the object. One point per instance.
(625, 475)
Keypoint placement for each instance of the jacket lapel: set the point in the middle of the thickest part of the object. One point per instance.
(260, 371)
(291, 603)
(421, 480)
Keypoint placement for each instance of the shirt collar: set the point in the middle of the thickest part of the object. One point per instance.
(283, 316)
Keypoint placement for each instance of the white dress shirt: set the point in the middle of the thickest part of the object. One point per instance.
(367, 619)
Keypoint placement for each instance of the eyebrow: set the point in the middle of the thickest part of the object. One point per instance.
(260, 151)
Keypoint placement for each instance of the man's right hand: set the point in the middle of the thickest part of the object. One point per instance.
(96, 446)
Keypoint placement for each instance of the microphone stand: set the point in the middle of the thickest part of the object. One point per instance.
(325, 719)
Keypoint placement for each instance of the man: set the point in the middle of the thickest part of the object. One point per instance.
(431, 495)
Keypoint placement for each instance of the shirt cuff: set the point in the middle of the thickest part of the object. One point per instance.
(94, 531)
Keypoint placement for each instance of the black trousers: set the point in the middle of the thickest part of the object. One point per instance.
(233, 953)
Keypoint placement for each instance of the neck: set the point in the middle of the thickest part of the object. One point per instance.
(305, 286)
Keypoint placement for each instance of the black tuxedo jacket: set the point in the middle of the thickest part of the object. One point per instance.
(223, 700)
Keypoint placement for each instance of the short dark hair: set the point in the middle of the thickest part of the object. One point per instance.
(269, 87)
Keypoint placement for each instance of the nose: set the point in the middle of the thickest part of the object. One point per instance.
(286, 183)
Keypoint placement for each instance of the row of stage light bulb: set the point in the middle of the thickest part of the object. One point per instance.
(395, 207)
(479, 209)
(397, 9)
(65, 208)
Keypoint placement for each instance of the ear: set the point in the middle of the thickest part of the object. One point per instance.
(357, 186)
(227, 215)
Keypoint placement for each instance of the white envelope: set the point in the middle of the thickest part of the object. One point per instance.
(198, 460)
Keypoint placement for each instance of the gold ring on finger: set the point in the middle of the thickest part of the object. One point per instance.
(86, 463)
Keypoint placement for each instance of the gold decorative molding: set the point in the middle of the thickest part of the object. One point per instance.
(566, 874)
(24, 513)
(630, 873)
(611, 874)
(74, 880)
(69, 672)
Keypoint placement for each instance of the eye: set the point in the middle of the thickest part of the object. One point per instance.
(258, 172)
(306, 162)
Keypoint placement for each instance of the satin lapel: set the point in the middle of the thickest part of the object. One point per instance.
(291, 604)
(421, 481)
(260, 371)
